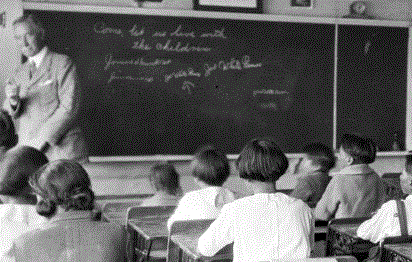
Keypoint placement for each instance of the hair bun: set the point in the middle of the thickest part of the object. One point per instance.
(46, 208)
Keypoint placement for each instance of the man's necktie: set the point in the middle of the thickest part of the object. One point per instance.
(33, 69)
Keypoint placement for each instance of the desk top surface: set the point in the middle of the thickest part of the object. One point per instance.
(151, 227)
(116, 212)
(403, 249)
(188, 243)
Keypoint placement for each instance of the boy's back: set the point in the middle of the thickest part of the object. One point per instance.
(355, 191)
(263, 227)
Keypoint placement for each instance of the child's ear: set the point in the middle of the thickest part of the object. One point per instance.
(350, 160)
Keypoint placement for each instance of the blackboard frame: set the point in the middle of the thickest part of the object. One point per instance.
(197, 5)
(258, 17)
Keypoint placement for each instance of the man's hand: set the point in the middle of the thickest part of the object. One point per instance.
(12, 90)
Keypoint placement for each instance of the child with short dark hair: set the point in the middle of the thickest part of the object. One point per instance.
(210, 170)
(315, 164)
(165, 181)
(266, 225)
(356, 190)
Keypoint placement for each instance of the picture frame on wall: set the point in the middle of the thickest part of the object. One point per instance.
(242, 6)
(302, 3)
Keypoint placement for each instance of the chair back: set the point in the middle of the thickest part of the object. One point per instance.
(393, 186)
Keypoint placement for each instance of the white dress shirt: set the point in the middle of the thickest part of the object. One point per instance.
(205, 203)
(38, 58)
(263, 227)
(385, 223)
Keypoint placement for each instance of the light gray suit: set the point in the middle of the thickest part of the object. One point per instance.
(48, 108)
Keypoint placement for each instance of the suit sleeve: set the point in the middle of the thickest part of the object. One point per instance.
(329, 203)
(69, 93)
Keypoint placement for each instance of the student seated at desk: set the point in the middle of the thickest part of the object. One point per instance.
(72, 234)
(385, 223)
(266, 225)
(317, 160)
(356, 190)
(165, 181)
(210, 170)
(18, 213)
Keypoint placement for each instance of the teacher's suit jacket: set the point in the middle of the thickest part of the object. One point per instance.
(48, 108)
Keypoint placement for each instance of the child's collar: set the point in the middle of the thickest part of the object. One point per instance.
(354, 170)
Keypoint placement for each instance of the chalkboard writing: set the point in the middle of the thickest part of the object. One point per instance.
(166, 85)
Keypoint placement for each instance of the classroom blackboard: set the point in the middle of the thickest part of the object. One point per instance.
(158, 84)
(372, 81)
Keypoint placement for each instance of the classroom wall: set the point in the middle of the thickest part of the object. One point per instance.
(400, 10)
(9, 54)
(131, 177)
(118, 178)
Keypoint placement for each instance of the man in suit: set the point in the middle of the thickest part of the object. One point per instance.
(43, 96)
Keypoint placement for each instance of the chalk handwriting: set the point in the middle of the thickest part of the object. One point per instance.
(246, 63)
(233, 64)
(159, 34)
(182, 73)
(110, 61)
(141, 45)
(270, 105)
(187, 85)
(179, 47)
(178, 33)
(135, 32)
(269, 92)
(114, 77)
(209, 69)
(101, 28)
(217, 33)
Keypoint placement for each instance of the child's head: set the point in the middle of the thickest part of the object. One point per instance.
(63, 183)
(210, 166)
(406, 177)
(163, 177)
(262, 160)
(357, 150)
(317, 157)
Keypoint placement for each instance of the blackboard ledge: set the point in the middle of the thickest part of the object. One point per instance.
(156, 158)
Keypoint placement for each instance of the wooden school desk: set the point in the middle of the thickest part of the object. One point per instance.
(182, 242)
(401, 252)
(398, 248)
(147, 232)
(342, 238)
(116, 212)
